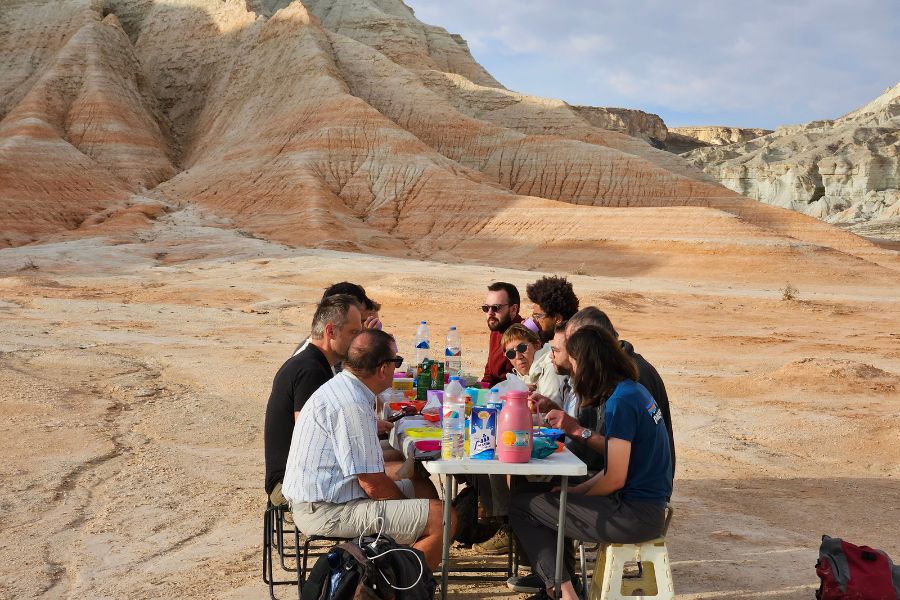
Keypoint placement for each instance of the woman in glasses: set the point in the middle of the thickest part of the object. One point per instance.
(519, 345)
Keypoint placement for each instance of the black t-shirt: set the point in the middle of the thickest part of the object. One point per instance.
(650, 379)
(294, 383)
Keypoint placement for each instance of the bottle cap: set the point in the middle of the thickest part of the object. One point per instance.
(456, 378)
(453, 328)
(421, 322)
(495, 390)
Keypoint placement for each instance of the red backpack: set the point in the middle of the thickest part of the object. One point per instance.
(850, 572)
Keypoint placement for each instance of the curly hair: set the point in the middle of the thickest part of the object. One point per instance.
(554, 295)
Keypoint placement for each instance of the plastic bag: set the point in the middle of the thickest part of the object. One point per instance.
(542, 447)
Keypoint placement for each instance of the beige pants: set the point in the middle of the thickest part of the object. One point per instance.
(404, 520)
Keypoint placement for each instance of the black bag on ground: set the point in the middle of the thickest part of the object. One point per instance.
(348, 572)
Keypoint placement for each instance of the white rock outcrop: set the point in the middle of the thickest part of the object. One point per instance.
(844, 171)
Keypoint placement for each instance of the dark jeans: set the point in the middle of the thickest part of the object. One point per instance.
(604, 519)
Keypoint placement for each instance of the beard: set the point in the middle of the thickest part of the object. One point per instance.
(545, 336)
(499, 324)
(562, 370)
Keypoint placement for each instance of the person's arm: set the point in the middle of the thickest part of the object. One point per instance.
(560, 420)
(378, 486)
(356, 445)
(544, 403)
(613, 478)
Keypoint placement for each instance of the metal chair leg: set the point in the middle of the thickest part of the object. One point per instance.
(269, 532)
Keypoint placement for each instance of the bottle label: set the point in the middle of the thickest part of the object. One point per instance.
(516, 439)
(451, 352)
(423, 345)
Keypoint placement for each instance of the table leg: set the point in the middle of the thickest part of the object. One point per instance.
(445, 556)
(560, 535)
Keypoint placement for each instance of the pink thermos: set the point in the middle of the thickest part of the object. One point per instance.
(514, 429)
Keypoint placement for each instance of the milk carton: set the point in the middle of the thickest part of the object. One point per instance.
(483, 433)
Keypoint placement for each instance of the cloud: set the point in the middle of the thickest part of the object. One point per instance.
(762, 64)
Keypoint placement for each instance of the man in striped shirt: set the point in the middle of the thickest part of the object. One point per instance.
(335, 480)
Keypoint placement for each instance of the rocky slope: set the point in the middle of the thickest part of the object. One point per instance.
(335, 123)
(685, 139)
(845, 171)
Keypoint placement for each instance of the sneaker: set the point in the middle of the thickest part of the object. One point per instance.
(529, 584)
(498, 544)
(532, 583)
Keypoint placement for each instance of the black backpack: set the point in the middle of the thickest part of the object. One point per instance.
(348, 572)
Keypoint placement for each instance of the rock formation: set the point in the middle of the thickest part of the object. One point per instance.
(636, 123)
(685, 139)
(845, 171)
(333, 123)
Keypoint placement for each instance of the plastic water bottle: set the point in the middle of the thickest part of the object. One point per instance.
(453, 427)
(495, 396)
(423, 343)
(453, 353)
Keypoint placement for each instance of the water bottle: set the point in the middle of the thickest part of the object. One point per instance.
(495, 396)
(453, 427)
(423, 344)
(453, 353)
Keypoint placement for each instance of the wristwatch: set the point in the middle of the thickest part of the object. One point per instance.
(586, 433)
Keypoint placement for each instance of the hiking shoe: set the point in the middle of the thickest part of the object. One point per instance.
(498, 544)
(529, 584)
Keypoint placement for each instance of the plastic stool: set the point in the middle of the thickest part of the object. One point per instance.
(653, 579)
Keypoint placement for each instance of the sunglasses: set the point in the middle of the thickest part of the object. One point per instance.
(511, 353)
(492, 307)
(398, 361)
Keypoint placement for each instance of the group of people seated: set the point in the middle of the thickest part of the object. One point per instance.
(324, 458)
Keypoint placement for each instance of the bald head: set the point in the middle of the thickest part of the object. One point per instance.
(369, 350)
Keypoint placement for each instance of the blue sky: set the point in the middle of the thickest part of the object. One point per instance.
(696, 62)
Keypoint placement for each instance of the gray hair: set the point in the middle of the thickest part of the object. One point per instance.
(334, 310)
(591, 315)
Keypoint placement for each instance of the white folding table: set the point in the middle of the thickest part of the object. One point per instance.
(563, 464)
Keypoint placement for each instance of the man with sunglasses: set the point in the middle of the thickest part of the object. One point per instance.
(501, 305)
(335, 480)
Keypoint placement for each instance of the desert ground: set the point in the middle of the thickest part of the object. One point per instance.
(135, 368)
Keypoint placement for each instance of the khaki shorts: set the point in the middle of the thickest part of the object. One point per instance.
(404, 520)
(276, 497)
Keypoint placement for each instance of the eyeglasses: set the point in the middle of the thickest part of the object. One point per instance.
(511, 353)
(398, 361)
(492, 307)
(538, 316)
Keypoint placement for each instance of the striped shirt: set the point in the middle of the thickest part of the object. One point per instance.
(334, 440)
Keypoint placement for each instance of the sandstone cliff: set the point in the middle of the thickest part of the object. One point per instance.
(685, 139)
(311, 125)
(636, 123)
(845, 171)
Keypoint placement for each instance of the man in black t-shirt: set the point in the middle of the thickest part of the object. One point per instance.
(336, 321)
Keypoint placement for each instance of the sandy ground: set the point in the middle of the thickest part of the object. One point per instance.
(135, 371)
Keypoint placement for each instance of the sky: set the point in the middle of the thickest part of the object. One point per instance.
(763, 63)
